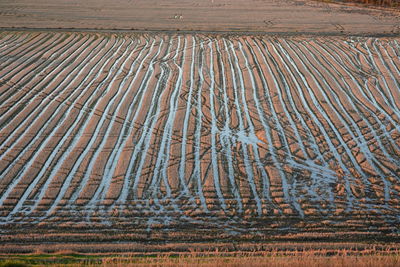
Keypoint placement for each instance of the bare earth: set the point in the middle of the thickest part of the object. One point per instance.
(272, 16)
(278, 129)
(198, 137)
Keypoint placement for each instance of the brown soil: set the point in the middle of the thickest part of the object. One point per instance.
(272, 16)
(286, 138)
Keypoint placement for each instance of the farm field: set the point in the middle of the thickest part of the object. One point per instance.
(108, 137)
(264, 16)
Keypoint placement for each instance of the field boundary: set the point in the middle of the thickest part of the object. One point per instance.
(200, 32)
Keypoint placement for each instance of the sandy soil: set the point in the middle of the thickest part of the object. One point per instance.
(163, 134)
(272, 16)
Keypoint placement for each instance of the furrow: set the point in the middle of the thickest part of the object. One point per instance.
(89, 107)
(20, 122)
(226, 133)
(46, 141)
(318, 166)
(316, 120)
(94, 124)
(214, 130)
(40, 72)
(243, 133)
(30, 125)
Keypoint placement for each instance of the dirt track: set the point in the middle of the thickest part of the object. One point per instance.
(270, 16)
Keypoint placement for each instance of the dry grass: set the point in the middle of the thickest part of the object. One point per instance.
(384, 3)
(310, 258)
(391, 3)
(307, 259)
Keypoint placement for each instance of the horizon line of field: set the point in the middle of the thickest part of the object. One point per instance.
(101, 134)
(211, 33)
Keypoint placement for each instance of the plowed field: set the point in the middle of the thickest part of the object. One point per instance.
(197, 135)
